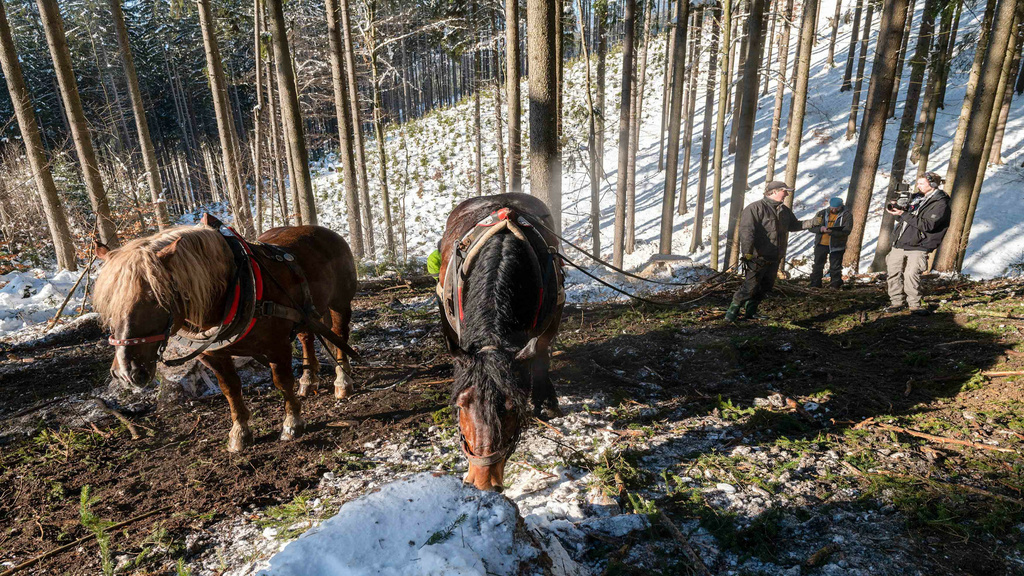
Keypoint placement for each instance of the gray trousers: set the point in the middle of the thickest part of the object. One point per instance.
(903, 270)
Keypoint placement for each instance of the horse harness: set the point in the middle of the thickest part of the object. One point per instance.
(450, 285)
(245, 304)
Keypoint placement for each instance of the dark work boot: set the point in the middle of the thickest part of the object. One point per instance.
(750, 309)
(732, 313)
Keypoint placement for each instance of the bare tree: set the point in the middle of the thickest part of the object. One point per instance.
(851, 125)
(996, 158)
(636, 115)
(780, 89)
(723, 103)
(625, 102)
(358, 148)
(674, 125)
(593, 152)
(697, 241)
(872, 133)
(545, 157)
(512, 80)
(835, 34)
(53, 25)
(56, 219)
(851, 56)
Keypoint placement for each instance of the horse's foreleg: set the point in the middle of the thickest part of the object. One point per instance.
(240, 436)
(310, 365)
(344, 384)
(545, 401)
(281, 368)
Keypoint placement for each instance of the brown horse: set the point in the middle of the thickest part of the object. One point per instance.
(501, 303)
(183, 281)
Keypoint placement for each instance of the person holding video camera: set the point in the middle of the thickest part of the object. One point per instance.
(762, 229)
(830, 243)
(920, 226)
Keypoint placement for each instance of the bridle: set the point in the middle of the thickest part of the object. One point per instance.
(472, 453)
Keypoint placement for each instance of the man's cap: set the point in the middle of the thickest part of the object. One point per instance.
(835, 202)
(776, 185)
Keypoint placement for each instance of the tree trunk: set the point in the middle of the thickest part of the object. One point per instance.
(780, 89)
(275, 148)
(666, 89)
(378, 129)
(723, 99)
(478, 168)
(593, 152)
(636, 118)
(835, 34)
(674, 125)
(737, 105)
(343, 113)
(852, 55)
(512, 82)
(690, 109)
(906, 133)
(902, 59)
(499, 137)
(950, 45)
(1004, 111)
(56, 220)
(799, 99)
(869, 143)
(851, 125)
(772, 14)
(357, 131)
(936, 79)
(697, 241)
(141, 126)
(981, 50)
(745, 128)
(1003, 93)
(545, 158)
(601, 31)
(53, 25)
(294, 130)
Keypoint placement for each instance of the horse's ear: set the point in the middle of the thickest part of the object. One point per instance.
(529, 352)
(167, 251)
(100, 249)
(211, 221)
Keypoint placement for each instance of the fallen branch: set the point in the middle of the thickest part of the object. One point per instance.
(687, 548)
(955, 342)
(1003, 374)
(409, 282)
(943, 439)
(83, 540)
(979, 491)
(53, 321)
(556, 430)
(127, 423)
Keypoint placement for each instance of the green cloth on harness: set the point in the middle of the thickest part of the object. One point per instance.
(434, 263)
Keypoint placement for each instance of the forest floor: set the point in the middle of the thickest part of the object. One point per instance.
(787, 445)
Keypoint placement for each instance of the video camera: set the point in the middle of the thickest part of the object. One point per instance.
(899, 197)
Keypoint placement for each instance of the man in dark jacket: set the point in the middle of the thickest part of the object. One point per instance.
(830, 243)
(763, 228)
(919, 230)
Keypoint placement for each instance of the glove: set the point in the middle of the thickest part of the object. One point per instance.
(818, 221)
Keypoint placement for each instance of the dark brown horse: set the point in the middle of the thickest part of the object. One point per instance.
(183, 281)
(501, 303)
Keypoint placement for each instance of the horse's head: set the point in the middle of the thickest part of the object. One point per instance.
(149, 288)
(491, 394)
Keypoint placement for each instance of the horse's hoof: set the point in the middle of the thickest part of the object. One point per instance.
(292, 429)
(344, 386)
(306, 383)
(239, 439)
(548, 412)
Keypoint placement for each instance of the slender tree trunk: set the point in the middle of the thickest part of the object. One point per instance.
(723, 99)
(906, 133)
(737, 105)
(357, 130)
(666, 90)
(851, 125)
(141, 126)
(512, 83)
(275, 147)
(57, 41)
(499, 137)
(780, 89)
(772, 14)
(593, 152)
(56, 220)
(835, 34)
(950, 45)
(378, 128)
(545, 157)
(799, 99)
(996, 158)
(902, 59)
(745, 129)
(697, 241)
(636, 120)
(691, 108)
(559, 61)
(869, 143)
(852, 55)
(343, 112)
(601, 31)
(294, 130)
(674, 125)
(1003, 93)
(939, 72)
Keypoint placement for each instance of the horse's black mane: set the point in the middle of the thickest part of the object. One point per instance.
(499, 303)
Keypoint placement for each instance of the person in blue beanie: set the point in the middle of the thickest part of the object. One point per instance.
(830, 243)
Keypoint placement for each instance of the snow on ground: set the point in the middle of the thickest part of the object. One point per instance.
(426, 525)
(29, 299)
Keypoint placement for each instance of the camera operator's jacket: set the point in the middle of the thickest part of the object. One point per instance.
(923, 228)
(840, 230)
(763, 225)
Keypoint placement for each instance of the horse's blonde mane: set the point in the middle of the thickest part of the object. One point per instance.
(194, 277)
